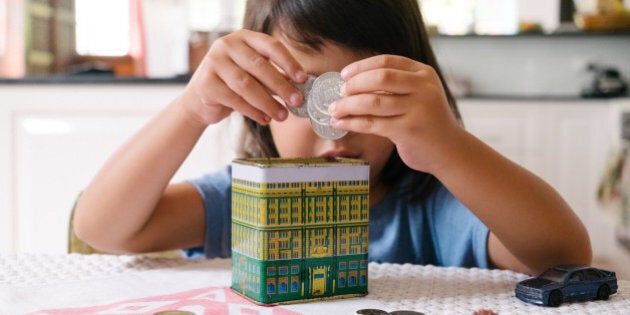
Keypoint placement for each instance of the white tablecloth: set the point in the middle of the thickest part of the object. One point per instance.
(107, 284)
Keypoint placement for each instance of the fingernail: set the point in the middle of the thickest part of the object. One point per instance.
(342, 90)
(282, 114)
(344, 73)
(294, 99)
(334, 121)
(332, 107)
(300, 76)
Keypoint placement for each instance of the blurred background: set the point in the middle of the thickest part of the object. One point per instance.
(544, 82)
(167, 38)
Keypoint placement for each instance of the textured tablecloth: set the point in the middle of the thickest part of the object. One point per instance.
(107, 284)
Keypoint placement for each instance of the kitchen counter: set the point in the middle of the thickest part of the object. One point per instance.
(569, 99)
(91, 79)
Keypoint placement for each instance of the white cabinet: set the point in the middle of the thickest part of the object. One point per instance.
(53, 139)
(567, 143)
(512, 128)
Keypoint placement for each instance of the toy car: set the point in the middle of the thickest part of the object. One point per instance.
(567, 283)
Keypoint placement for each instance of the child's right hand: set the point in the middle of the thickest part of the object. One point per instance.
(241, 72)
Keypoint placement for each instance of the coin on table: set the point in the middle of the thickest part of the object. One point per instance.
(372, 311)
(405, 312)
(305, 88)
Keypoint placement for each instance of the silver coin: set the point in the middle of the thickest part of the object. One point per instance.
(326, 131)
(326, 89)
(315, 114)
(305, 88)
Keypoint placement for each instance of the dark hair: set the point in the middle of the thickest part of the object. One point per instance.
(370, 26)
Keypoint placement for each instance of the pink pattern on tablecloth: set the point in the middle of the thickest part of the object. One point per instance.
(210, 300)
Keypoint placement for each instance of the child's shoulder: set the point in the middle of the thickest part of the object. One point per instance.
(215, 179)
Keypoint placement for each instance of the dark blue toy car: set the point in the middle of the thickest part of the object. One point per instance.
(567, 283)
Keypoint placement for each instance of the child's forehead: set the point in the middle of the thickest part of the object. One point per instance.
(329, 56)
(296, 43)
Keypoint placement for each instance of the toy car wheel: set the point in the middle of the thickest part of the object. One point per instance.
(555, 298)
(603, 292)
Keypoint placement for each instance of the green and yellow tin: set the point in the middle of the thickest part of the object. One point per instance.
(299, 228)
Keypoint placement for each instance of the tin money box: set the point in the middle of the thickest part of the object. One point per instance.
(299, 228)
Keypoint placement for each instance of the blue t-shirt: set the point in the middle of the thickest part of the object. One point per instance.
(438, 231)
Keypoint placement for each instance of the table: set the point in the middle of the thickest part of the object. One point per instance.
(108, 284)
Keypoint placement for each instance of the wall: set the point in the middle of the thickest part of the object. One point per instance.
(530, 65)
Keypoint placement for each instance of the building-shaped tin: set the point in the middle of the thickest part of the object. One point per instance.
(299, 228)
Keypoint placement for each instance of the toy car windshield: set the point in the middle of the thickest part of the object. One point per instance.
(554, 275)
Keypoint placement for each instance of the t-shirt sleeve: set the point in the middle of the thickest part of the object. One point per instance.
(215, 190)
(460, 237)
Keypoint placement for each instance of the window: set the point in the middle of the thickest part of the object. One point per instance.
(294, 284)
(102, 27)
(271, 288)
(271, 271)
(283, 286)
(342, 280)
(283, 270)
(353, 281)
(576, 276)
(592, 274)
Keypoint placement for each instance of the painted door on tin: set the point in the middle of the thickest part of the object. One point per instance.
(319, 281)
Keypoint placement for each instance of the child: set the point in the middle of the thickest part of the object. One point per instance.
(438, 195)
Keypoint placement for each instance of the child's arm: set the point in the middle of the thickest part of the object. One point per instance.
(129, 206)
(531, 226)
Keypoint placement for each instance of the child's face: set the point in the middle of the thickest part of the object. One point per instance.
(294, 136)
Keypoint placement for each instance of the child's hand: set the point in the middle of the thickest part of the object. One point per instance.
(241, 72)
(400, 99)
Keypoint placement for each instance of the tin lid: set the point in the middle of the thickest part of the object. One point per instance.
(296, 162)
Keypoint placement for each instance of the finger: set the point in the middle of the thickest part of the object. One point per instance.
(381, 126)
(248, 87)
(378, 62)
(277, 53)
(267, 74)
(383, 80)
(223, 95)
(374, 104)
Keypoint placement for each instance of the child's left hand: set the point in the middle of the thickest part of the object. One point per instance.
(400, 99)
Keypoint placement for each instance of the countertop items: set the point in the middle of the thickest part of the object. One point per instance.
(568, 283)
(87, 284)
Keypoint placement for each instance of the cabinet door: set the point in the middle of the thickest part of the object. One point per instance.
(55, 155)
(511, 128)
(564, 142)
(577, 157)
(59, 140)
